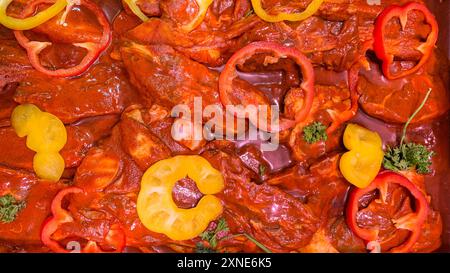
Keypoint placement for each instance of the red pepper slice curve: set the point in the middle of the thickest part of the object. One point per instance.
(379, 35)
(352, 79)
(412, 221)
(346, 115)
(94, 49)
(115, 237)
(278, 51)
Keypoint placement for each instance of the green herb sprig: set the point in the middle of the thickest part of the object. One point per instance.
(213, 236)
(409, 155)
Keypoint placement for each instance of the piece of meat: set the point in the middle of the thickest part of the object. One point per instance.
(84, 135)
(331, 44)
(151, 8)
(144, 147)
(430, 238)
(335, 10)
(181, 12)
(104, 89)
(123, 23)
(324, 190)
(335, 33)
(158, 121)
(185, 193)
(342, 238)
(80, 27)
(273, 217)
(14, 64)
(212, 43)
(320, 243)
(168, 78)
(7, 103)
(321, 185)
(221, 14)
(396, 100)
(37, 194)
(330, 101)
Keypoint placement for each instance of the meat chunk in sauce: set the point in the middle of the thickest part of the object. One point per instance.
(103, 90)
(396, 100)
(37, 195)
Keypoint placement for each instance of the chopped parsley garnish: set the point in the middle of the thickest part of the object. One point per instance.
(9, 208)
(315, 132)
(217, 232)
(409, 155)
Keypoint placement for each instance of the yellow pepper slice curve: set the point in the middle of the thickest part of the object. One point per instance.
(309, 11)
(355, 136)
(132, 4)
(30, 22)
(156, 208)
(22, 118)
(49, 166)
(46, 135)
(361, 164)
(203, 6)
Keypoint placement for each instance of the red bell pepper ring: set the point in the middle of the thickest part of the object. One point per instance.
(402, 13)
(115, 237)
(229, 73)
(412, 221)
(94, 49)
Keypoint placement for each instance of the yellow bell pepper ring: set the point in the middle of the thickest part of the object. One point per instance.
(156, 208)
(361, 164)
(29, 22)
(312, 8)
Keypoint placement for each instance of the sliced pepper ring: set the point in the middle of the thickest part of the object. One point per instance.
(156, 208)
(94, 49)
(402, 13)
(312, 8)
(30, 22)
(277, 50)
(412, 221)
(115, 237)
